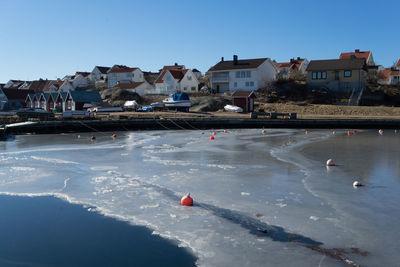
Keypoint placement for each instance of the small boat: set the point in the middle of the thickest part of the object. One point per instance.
(232, 108)
(178, 102)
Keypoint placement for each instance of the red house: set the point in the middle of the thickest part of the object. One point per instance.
(244, 99)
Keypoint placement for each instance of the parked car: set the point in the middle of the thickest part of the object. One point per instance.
(131, 105)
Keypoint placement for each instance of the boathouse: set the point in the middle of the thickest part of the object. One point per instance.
(244, 99)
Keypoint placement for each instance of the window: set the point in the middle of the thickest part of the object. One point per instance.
(251, 83)
(193, 88)
(248, 74)
(184, 88)
(319, 75)
(247, 84)
(242, 74)
(189, 78)
(347, 73)
(235, 84)
(238, 74)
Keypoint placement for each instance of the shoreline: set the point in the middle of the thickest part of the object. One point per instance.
(76, 126)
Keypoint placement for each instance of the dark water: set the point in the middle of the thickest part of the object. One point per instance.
(46, 231)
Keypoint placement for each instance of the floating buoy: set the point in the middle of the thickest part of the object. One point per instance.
(225, 131)
(330, 162)
(264, 131)
(186, 200)
(357, 184)
(380, 131)
(214, 133)
(395, 131)
(79, 136)
(307, 132)
(348, 133)
(93, 138)
(355, 132)
(334, 132)
(211, 137)
(114, 136)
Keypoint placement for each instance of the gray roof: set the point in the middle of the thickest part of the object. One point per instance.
(86, 96)
(241, 64)
(337, 64)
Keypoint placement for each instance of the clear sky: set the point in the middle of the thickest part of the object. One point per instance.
(52, 38)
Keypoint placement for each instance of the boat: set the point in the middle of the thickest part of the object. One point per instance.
(232, 108)
(178, 102)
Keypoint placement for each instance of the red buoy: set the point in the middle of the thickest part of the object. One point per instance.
(211, 137)
(355, 132)
(225, 131)
(214, 133)
(114, 136)
(187, 200)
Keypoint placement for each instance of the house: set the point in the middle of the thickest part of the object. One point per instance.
(99, 73)
(172, 80)
(25, 85)
(123, 74)
(367, 55)
(196, 73)
(12, 99)
(59, 86)
(289, 69)
(60, 101)
(75, 100)
(29, 100)
(38, 86)
(141, 88)
(78, 81)
(389, 76)
(47, 101)
(243, 74)
(244, 99)
(337, 74)
(14, 84)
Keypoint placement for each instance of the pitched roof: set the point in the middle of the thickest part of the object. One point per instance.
(177, 74)
(336, 64)
(13, 94)
(241, 64)
(384, 75)
(243, 94)
(121, 69)
(83, 73)
(357, 53)
(62, 95)
(103, 70)
(38, 85)
(86, 96)
(174, 67)
(131, 85)
(398, 63)
(57, 84)
(283, 65)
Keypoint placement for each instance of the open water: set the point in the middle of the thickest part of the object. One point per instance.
(260, 200)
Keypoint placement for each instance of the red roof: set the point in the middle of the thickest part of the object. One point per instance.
(174, 67)
(177, 74)
(284, 65)
(357, 53)
(384, 75)
(121, 69)
(131, 85)
(293, 64)
(50, 83)
(238, 94)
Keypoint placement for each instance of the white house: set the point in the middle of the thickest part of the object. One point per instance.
(99, 73)
(141, 88)
(123, 74)
(176, 80)
(289, 69)
(79, 80)
(389, 76)
(14, 84)
(59, 86)
(244, 74)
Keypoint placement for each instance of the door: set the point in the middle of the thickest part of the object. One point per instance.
(251, 108)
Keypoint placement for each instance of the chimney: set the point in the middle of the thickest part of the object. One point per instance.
(176, 64)
(222, 59)
(292, 60)
(235, 59)
(357, 50)
(298, 58)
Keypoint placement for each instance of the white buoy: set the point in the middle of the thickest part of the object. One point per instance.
(334, 132)
(330, 162)
(264, 131)
(357, 184)
(380, 131)
(79, 136)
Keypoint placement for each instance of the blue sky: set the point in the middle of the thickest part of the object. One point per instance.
(49, 39)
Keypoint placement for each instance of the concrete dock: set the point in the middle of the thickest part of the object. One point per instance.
(191, 124)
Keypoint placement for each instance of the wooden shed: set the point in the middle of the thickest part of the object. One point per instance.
(244, 99)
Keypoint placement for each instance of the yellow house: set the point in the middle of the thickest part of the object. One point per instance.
(337, 74)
